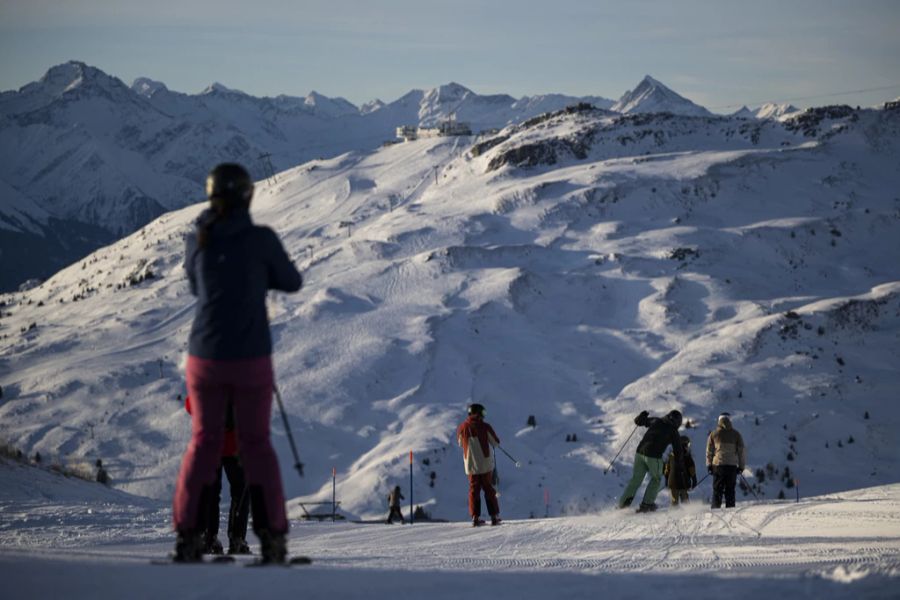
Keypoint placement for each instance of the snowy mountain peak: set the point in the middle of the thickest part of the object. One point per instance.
(371, 106)
(71, 76)
(652, 96)
(146, 87)
(65, 76)
(451, 92)
(313, 98)
(329, 107)
(65, 84)
(743, 113)
(772, 110)
(218, 88)
(649, 81)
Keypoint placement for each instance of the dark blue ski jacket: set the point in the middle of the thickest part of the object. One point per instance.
(230, 277)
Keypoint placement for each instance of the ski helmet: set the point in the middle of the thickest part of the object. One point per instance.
(674, 417)
(476, 409)
(685, 440)
(231, 183)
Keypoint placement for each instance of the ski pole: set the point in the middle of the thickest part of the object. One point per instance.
(518, 464)
(748, 486)
(702, 480)
(297, 464)
(620, 450)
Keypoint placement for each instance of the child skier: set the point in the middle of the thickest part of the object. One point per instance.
(394, 499)
(681, 477)
(239, 509)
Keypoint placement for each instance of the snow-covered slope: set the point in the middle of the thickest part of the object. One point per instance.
(651, 96)
(90, 151)
(579, 267)
(67, 537)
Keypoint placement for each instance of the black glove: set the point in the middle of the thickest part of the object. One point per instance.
(710, 468)
(641, 419)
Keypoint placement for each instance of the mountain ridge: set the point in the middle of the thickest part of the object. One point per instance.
(90, 151)
(579, 269)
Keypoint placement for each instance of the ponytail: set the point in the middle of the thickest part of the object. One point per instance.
(221, 210)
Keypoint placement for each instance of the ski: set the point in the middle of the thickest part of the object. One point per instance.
(212, 560)
(230, 560)
(291, 562)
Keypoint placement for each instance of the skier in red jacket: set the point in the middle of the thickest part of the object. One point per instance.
(477, 439)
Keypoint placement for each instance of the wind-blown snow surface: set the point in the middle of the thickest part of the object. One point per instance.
(60, 536)
(580, 268)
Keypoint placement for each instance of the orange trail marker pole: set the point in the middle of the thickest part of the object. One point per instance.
(411, 513)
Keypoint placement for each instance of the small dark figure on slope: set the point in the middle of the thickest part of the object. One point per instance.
(394, 499)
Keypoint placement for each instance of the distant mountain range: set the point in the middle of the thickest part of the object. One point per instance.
(769, 110)
(87, 159)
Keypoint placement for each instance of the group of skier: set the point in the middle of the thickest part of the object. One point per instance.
(231, 264)
(726, 457)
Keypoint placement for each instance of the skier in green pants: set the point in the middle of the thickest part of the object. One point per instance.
(661, 432)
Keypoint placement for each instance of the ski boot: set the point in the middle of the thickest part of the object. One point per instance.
(644, 508)
(238, 546)
(477, 521)
(625, 504)
(273, 548)
(188, 548)
(212, 545)
(495, 520)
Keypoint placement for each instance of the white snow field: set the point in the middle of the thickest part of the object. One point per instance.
(73, 539)
(578, 268)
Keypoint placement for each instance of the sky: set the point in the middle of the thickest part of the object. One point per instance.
(719, 53)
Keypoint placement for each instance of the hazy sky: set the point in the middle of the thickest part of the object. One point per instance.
(719, 53)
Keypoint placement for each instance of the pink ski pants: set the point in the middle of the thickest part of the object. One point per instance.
(249, 384)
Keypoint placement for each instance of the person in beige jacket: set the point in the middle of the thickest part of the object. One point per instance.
(726, 457)
(477, 439)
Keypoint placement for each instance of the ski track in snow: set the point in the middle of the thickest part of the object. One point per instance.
(854, 536)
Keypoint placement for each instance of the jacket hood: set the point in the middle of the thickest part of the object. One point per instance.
(724, 422)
